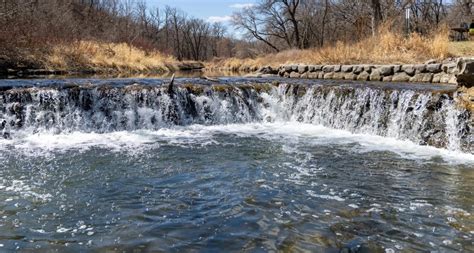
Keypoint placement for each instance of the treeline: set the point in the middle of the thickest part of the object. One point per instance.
(36, 23)
(270, 25)
(284, 24)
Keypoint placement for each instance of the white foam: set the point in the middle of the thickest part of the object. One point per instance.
(286, 132)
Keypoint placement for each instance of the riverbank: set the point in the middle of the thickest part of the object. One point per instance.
(89, 57)
(386, 48)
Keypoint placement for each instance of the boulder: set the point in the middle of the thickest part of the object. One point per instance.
(386, 70)
(376, 75)
(337, 68)
(302, 69)
(318, 67)
(358, 69)
(346, 68)
(427, 78)
(437, 77)
(368, 68)
(329, 75)
(364, 76)
(294, 75)
(350, 76)
(328, 68)
(287, 68)
(268, 70)
(294, 67)
(387, 78)
(408, 69)
(313, 75)
(445, 78)
(420, 68)
(397, 68)
(338, 75)
(450, 68)
(433, 68)
(304, 75)
(401, 77)
(466, 73)
(422, 77)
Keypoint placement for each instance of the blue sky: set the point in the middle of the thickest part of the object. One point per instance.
(210, 10)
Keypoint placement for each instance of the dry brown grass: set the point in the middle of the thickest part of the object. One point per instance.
(97, 56)
(387, 47)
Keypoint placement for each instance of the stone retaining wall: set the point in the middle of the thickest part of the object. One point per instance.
(458, 71)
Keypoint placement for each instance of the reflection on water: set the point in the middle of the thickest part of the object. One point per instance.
(184, 74)
(246, 187)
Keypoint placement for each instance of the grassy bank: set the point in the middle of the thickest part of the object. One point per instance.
(88, 56)
(386, 48)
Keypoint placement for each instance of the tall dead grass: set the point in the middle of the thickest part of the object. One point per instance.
(387, 47)
(99, 56)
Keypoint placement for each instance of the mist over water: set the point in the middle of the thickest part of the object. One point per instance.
(253, 166)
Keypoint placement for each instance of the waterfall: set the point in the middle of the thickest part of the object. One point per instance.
(422, 116)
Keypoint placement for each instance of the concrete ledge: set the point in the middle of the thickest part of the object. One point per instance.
(455, 71)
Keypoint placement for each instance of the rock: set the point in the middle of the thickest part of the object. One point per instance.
(350, 76)
(281, 72)
(302, 69)
(318, 67)
(311, 68)
(338, 75)
(433, 68)
(422, 77)
(437, 78)
(430, 61)
(376, 75)
(428, 77)
(420, 68)
(465, 76)
(313, 75)
(364, 76)
(401, 77)
(321, 75)
(337, 68)
(294, 75)
(328, 68)
(346, 68)
(387, 78)
(294, 67)
(268, 70)
(304, 75)
(368, 68)
(358, 69)
(287, 68)
(286, 74)
(450, 68)
(445, 78)
(329, 75)
(408, 69)
(397, 68)
(386, 70)
(453, 80)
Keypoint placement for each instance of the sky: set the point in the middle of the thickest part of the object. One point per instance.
(210, 10)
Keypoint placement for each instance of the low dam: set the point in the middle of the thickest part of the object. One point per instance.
(271, 164)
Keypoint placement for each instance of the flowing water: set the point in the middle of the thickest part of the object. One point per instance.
(243, 165)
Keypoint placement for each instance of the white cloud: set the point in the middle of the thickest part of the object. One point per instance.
(219, 19)
(242, 6)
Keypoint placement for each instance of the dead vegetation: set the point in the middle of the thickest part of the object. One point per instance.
(387, 47)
